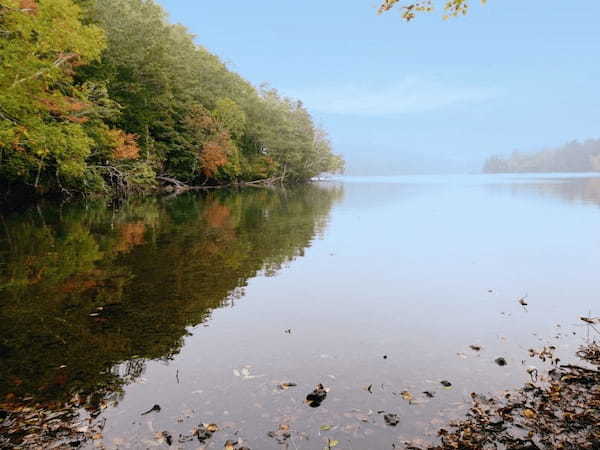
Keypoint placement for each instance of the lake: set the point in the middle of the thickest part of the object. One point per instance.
(228, 308)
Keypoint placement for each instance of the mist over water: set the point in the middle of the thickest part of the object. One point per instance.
(205, 304)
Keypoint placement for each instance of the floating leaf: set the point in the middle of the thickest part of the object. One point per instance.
(500, 361)
(325, 427)
(406, 396)
(212, 427)
(316, 397)
(391, 419)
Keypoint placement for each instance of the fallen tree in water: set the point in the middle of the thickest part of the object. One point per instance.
(562, 411)
(173, 185)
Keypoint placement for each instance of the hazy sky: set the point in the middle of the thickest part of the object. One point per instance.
(426, 96)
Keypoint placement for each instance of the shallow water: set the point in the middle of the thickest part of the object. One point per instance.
(204, 304)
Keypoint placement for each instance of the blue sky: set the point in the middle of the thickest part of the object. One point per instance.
(427, 96)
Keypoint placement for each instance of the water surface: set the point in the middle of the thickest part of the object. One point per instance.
(205, 304)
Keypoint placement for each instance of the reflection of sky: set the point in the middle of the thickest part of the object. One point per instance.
(407, 277)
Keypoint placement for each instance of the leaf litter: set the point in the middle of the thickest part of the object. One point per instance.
(562, 412)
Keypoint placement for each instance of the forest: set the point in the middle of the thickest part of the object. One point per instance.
(574, 156)
(107, 96)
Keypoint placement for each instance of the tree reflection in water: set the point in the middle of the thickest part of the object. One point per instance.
(91, 292)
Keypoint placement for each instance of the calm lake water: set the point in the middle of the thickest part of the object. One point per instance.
(204, 304)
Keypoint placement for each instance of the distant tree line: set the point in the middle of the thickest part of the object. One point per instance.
(574, 156)
(99, 95)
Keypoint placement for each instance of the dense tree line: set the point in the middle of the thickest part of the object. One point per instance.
(572, 157)
(107, 94)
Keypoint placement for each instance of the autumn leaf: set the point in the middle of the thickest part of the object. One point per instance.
(529, 413)
(406, 395)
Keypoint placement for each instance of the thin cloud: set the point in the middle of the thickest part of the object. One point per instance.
(408, 96)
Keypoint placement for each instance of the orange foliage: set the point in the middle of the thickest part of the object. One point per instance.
(126, 146)
(66, 107)
(217, 215)
(214, 153)
(130, 235)
(28, 5)
(76, 119)
(76, 285)
(216, 141)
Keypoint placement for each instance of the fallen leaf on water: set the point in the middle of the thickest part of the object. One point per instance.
(316, 397)
(429, 394)
(500, 361)
(155, 408)
(285, 386)
(205, 431)
(406, 395)
(475, 347)
(332, 443)
(212, 427)
(164, 436)
(391, 419)
(325, 427)
(230, 445)
(446, 384)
